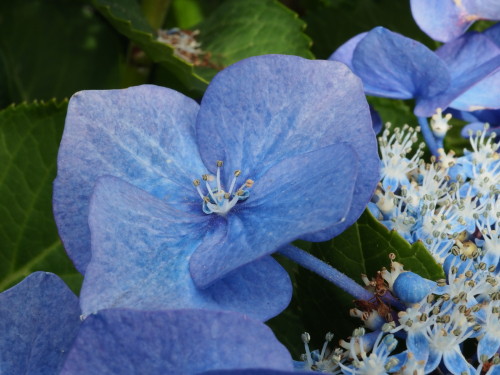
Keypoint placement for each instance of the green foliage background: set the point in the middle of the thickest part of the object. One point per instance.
(52, 49)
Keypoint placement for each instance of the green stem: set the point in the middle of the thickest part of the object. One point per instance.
(155, 12)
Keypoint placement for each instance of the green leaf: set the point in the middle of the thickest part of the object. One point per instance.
(363, 248)
(397, 112)
(234, 31)
(187, 13)
(29, 140)
(127, 18)
(331, 25)
(240, 29)
(54, 48)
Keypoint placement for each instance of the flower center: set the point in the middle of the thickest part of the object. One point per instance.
(218, 200)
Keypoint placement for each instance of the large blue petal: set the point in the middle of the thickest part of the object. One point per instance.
(433, 360)
(391, 65)
(493, 33)
(173, 342)
(299, 195)
(488, 345)
(455, 362)
(144, 135)
(418, 344)
(483, 95)
(140, 252)
(483, 9)
(442, 20)
(472, 60)
(39, 318)
(267, 108)
(446, 20)
(494, 370)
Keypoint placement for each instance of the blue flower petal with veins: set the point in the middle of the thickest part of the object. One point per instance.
(268, 129)
(39, 318)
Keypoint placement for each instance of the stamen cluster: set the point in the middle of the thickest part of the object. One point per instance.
(452, 205)
(217, 200)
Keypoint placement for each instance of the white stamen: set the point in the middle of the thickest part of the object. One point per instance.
(217, 200)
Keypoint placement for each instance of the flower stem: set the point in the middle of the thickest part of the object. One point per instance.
(329, 273)
(429, 136)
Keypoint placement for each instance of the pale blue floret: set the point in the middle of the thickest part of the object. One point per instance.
(489, 343)
(378, 362)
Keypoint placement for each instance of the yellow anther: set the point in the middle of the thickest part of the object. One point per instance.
(469, 248)
(441, 282)
(220, 163)
(237, 173)
(196, 182)
(205, 177)
(227, 195)
(206, 199)
(240, 193)
(249, 183)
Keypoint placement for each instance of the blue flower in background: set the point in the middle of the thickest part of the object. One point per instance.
(403, 68)
(206, 192)
(477, 119)
(445, 20)
(473, 61)
(462, 75)
(456, 75)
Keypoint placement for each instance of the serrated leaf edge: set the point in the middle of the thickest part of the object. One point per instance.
(128, 24)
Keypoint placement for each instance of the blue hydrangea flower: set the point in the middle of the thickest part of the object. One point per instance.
(455, 75)
(39, 319)
(445, 20)
(270, 155)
